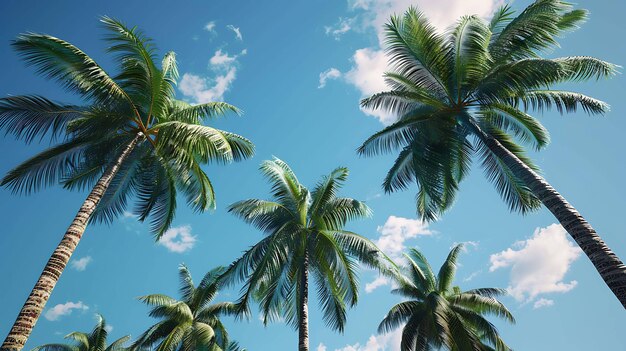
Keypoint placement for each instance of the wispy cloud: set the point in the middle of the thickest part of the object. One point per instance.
(210, 27)
(64, 309)
(542, 302)
(472, 275)
(204, 89)
(235, 30)
(221, 58)
(376, 283)
(81, 263)
(329, 74)
(178, 239)
(342, 26)
(538, 264)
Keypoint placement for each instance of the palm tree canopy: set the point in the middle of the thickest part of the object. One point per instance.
(94, 341)
(437, 314)
(191, 323)
(139, 100)
(450, 90)
(302, 225)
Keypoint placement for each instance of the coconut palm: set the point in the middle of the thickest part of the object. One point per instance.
(305, 236)
(94, 341)
(466, 94)
(130, 138)
(191, 323)
(436, 314)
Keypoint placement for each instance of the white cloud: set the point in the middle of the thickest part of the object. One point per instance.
(235, 30)
(321, 347)
(81, 264)
(64, 309)
(376, 283)
(543, 303)
(178, 239)
(222, 58)
(203, 90)
(393, 234)
(396, 231)
(366, 75)
(341, 28)
(331, 73)
(386, 342)
(210, 27)
(369, 64)
(472, 276)
(539, 264)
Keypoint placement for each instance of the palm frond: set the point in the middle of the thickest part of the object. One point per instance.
(76, 71)
(29, 117)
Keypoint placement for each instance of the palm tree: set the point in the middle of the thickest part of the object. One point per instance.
(192, 323)
(94, 341)
(305, 236)
(131, 137)
(466, 93)
(435, 314)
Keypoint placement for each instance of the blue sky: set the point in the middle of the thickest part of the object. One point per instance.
(298, 70)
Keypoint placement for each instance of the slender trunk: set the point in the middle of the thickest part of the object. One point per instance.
(303, 325)
(611, 268)
(28, 316)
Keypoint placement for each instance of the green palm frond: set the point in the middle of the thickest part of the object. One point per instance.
(138, 100)
(45, 168)
(435, 315)
(29, 117)
(57, 59)
(96, 340)
(193, 323)
(305, 240)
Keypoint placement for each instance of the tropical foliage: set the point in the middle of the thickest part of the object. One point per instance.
(466, 93)
(191, 323)
(305, 236)
(435, 314)
(130, 138)
(94, 341)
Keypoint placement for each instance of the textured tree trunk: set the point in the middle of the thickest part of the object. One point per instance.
(34, 305)
(611, 268)
(303, 324)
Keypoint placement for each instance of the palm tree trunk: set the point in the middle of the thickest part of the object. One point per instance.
(611, 268)
(34, 305)
(303, 324)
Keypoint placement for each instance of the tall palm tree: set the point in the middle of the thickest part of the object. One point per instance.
(305, 236)
(436, 314)
(192, 323)
(131, 137)
(94, 341)
(466, 93)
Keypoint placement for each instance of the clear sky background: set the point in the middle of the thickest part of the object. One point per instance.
(298, 70)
